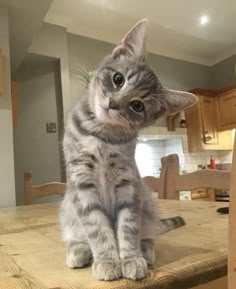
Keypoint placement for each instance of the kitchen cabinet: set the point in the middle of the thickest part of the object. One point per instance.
(202, 124)
(226, 108)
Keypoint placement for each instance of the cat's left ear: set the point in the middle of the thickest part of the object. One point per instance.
(134, 43)
(175, 101)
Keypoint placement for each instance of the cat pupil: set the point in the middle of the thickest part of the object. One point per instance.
(118, 79)
(137, 106)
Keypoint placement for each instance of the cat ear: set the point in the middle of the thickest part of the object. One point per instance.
(176, 101)
(134, 42)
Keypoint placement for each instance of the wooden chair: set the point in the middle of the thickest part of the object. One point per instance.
(158, 184)
(206, 179)
(174, 182)
(43, 190)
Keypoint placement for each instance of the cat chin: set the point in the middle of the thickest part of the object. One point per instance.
(107, 116)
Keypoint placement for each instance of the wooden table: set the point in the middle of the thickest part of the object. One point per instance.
(32, 254)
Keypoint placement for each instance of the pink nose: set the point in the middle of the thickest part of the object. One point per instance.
(113, 104)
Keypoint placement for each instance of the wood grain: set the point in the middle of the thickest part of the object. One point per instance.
(227, 110)
(13, 276)
(32, 254)
(202, 125)
(204, 179)
(170, 122)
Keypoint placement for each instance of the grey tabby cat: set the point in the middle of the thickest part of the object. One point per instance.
(108, 214)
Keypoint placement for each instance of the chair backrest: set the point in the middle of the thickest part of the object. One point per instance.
(174, 182)
(206, 179)
(43, 190)
(157, 184)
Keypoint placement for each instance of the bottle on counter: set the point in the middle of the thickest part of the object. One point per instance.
(212, 163)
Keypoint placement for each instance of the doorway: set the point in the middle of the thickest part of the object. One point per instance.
(39, 129)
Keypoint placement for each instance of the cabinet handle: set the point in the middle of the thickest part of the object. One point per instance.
(207, 138)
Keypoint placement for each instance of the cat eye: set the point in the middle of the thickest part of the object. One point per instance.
(137, 106)
(118, 79)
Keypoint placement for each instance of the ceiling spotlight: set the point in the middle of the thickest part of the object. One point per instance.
(204, 20)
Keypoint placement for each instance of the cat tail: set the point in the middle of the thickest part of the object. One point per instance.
(170, 224)
(224, 210)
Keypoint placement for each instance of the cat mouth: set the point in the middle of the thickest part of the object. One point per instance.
(111, 116)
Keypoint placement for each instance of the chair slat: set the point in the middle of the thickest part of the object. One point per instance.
(54, 188)
(153, 183)
(49, 189)
(203, 179)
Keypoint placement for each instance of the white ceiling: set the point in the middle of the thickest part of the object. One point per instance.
(175, 29)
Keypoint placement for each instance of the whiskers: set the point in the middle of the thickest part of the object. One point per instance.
(83, 73)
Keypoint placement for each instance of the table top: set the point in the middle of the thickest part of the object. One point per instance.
(32, 254)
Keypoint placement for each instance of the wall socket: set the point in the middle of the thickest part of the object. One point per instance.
(51, 127)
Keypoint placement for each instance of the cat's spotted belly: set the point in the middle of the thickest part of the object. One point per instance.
(110, 173)
(114, 177)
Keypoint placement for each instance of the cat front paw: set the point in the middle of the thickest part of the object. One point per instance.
(107, 270)
(134, 268)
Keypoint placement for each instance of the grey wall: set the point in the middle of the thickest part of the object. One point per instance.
(25, 18)
(52, 41)
(7, 181)
(182, 75)
(176, 74)
(35, 149)
(223, 73)
(83, 52)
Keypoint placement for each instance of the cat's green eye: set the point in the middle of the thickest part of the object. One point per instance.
(118, 79)
(137, 106)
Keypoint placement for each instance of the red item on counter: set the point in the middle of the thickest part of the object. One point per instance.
(212, 163)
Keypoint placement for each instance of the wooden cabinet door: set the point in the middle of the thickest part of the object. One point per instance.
(227, 110)
(209, 120)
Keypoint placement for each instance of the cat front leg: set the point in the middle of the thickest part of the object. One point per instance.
(100, 235)
(133, 265)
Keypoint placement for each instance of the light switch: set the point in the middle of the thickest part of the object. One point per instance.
(51, 127)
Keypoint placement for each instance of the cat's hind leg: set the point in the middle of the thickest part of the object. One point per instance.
(148, 250)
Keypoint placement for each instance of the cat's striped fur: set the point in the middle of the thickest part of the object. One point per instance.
(108, 214)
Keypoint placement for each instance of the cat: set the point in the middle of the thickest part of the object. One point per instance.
(108, 215)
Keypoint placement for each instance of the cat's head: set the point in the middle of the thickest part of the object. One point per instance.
(125, 91)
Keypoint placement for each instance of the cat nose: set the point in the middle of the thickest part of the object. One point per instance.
(113, 104)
